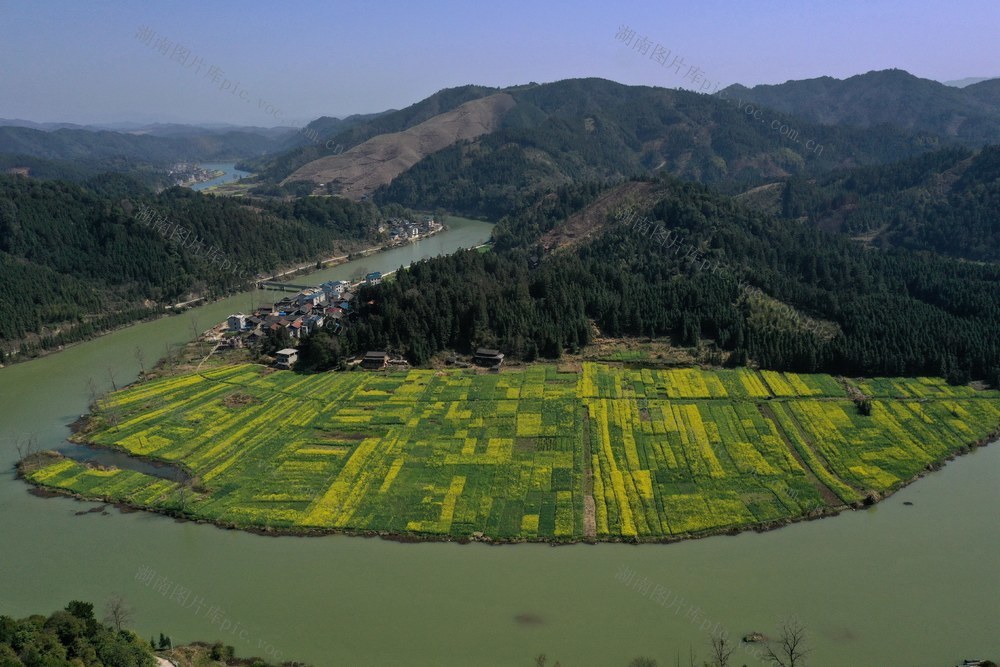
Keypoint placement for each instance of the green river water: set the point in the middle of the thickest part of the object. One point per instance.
(893, 585)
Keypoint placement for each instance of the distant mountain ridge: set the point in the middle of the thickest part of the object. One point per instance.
(580, 129)
(79, 144)
(967, 81)
(887, 97)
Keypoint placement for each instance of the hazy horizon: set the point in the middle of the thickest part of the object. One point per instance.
(113, 62)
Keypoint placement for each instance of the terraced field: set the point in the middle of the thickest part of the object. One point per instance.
(672, 453)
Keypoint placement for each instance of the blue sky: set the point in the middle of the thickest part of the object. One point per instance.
(290, 63)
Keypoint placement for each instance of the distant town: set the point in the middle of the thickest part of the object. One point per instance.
(188, 173)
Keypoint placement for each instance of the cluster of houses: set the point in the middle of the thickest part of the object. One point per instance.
(402, 231)
(312, 309)
(298, 315)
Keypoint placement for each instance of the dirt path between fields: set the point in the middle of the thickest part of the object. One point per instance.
(829, 497)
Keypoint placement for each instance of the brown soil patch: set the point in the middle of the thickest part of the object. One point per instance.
(585, 224)
(377, 161)
(340, 435)
(238, 400)
(525, 444)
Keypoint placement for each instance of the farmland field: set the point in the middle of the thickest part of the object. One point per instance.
(460, 454)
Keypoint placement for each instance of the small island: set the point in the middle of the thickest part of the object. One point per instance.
(555, 453)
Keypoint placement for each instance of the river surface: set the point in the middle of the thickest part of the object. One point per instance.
(231, 174)
(895, 585)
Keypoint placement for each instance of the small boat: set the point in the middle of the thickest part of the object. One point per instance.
(753, 637)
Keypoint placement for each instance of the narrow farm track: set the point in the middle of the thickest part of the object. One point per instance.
(829, 497)
(811, 445)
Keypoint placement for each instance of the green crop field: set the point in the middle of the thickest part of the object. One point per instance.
(663, 453)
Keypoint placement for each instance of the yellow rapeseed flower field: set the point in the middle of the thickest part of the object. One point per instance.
(519, 455)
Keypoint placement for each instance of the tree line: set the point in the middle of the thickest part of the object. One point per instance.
(895, 312)
(76, 260)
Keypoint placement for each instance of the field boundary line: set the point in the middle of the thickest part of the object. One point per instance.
(825, 492)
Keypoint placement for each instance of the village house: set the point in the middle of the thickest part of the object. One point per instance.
(313, 323)
(286, 358)
(295, 328)
(264, 309)
(255, 336)
(335, 288)
(285, 305)
(312, 298)
(375, 360)
(488, 357)
(237, 322)
(374, 278)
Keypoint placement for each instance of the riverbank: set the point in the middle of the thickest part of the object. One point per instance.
(515, 474)
(343, 259)
(196, 299)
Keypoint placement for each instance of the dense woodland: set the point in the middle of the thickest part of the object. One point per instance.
(82, 170)
(945, 202)
(883, 312)
(72, 637)
(76, 256)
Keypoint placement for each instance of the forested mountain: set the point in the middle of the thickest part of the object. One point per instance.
(775, 292)
(597, 130)
(67, 144)
(888, 97)
(354, 130)
(86, 169)
(987, 91)
(77, 258)
(945, 202)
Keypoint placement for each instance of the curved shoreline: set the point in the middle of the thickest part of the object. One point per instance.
(268, 531)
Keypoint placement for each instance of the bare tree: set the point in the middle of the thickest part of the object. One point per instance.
(31, 444)
(184, 490)
(92, 390)
(722, 649)
(642, 662)
(111, 374)
(791, 649)
(140, 356)
(117, 612)
(27, 447)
